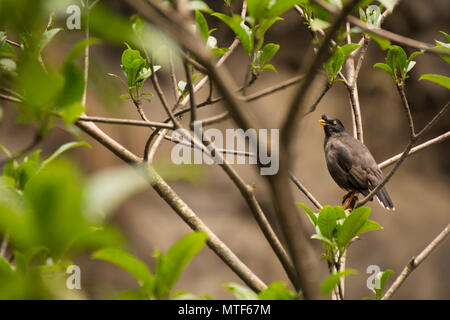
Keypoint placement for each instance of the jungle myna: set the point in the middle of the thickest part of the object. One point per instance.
(351, 164)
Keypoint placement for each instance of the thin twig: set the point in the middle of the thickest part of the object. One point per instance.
(155, 145)
(10, 98)
(190, 87)
(420, 147)
(4, 245)
(298, 243)
(386, 34)
(249, 98)
(296, 105)
(305, 191)
(173, 76)
(413, 138)
(130, 122)
(37, 138)
(179, 206)
(415, 262)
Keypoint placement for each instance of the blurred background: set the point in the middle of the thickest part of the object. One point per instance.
(420, 189)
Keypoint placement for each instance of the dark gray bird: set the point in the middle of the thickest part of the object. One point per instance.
(351, 164)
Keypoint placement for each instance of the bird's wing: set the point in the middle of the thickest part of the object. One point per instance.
(355, 159)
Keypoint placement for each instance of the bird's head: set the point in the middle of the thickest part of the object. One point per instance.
(331, 125)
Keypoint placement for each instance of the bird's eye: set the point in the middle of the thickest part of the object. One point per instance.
(334, 122)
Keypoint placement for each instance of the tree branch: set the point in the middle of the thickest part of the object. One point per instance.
(296, 105)
(179, 206)
(305, 192)
(129, 122)
(420, 147)
(386, 34)
(415, 262)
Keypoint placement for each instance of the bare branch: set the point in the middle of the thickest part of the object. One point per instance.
(305, 191)
(415, 262)
(139, 123)
(179, 206)
(4, 245)
(386, 34)
(412, 140)
(190, 87)
(296, 105)
(10, 98)
(420, 147)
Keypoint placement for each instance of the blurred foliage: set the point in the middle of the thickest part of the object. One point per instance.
(49, 212)
(169, 267)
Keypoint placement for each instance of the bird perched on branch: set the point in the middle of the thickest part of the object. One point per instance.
(351, 164)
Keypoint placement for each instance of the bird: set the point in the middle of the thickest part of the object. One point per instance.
(351, 165)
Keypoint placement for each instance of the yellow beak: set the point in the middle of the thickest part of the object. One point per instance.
(322, 122)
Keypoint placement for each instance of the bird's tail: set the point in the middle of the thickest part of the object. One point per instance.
(384, 199)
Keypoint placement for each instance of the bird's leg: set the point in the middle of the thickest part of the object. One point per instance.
(346, 196)
(349, 198)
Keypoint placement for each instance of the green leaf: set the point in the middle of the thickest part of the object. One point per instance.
(7, 64)
(257, 9)
(129, 263)
(413, 55)
(27, 169)
(5, 151)
(184, 295)
(6, 50)
(198, 5)
(71, 113)
(268, 52)
(78, 49)
(438, 79)
(312, 216)
(39, 88)
(318, 24)
(277, 291)
(107, 189)
(349, 48)
(202, 24)
(389, 4)
(47, 36)
(262, 29)
(240, 292)
(65, 147)
(235, 23)
(54, 217)
(382, 42)
(331, 282)
(218, 52)
(327, 222)
(446, 35)
(396, 59)
(132, 64)
(73, 89)
(121, 80)
(369, 225)
(269, 66)
(334, 65)
(281, 6)
(171, 265)
(384, 67)
(351, 226)
(323, 239)
(139, 294)
(380, 282)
